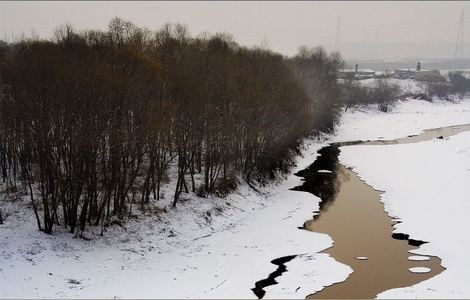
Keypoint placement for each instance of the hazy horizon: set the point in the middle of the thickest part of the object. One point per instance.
(359, 30)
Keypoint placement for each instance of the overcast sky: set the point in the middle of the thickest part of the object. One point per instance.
(358, 29)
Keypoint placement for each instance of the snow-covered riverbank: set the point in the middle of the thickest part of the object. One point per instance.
(205, 248)
(221, 247)
(426, 187)
(407, 118)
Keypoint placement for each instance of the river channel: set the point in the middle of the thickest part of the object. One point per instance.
(352, 214)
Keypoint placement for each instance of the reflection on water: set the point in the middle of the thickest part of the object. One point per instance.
(360, 227)
(355, 219)
(322, 184)
(351, 213)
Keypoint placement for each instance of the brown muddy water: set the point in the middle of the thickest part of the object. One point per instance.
(352, 214)
(363, 229)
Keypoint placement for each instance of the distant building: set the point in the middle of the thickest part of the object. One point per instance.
(418, 67)
(356, 73)
(404, 74)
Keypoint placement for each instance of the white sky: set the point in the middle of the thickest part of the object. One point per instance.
(286, 25)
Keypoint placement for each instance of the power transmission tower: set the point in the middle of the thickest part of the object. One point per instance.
(460, 35)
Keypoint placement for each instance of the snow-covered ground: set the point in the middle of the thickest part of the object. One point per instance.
(408, 86)
(219, 247)
(427, 191)
(426, 187)
(407, 118)
(205, 248)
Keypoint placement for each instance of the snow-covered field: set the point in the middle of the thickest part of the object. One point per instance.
(213, 248)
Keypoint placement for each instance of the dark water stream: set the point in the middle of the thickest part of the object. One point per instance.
(351, 213)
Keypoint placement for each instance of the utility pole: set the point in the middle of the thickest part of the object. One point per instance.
(460, 37)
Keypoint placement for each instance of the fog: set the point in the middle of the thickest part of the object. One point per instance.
(360, 30)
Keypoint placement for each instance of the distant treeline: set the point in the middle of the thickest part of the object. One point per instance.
(385, 92)
(92, 123)
(457, 85)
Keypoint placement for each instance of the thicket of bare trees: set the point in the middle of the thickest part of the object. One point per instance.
(383, 93)
(91, 122)
(317, 71)
(460, 85)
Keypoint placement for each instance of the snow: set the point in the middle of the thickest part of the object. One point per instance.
(361, 258)
(205, 248)
(306, 275)
(419, 270)
(408, 86)
(219, 247)
(430, 198)
(324, 171)
(409, 117)
(418, 257)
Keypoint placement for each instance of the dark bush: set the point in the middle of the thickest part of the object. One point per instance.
(226, 186)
